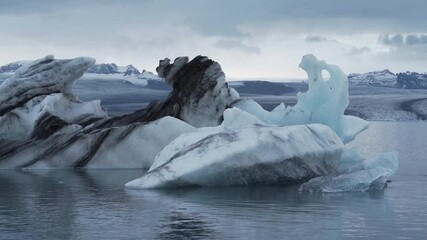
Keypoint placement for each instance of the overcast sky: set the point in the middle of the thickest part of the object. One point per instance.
(250, 39)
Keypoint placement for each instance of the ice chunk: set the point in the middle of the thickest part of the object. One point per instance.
(349, 158)
(199, 95)
(253, 154)
(130, 146)
(42, 77)
(233, 118)
(371, 174)
(324, 102)
(20, 123)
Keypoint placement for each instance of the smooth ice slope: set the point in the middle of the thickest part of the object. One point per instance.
(324, 102)
(248, 155)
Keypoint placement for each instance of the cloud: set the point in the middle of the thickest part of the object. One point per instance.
(232, 44)
(142, 31)
(359, 51)
(317, 39)
(228, 18)
(416, 39)
(391, 40)
(409, 47)
(399, 40)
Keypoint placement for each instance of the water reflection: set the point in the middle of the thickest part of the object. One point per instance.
(64, 204)
(276, 212)
(182, 225)
(89, 204)
(47, 204)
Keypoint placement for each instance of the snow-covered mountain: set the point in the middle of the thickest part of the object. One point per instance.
(129, 73)
(412, 80)
(383, 78)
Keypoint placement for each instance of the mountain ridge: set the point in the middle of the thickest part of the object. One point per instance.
(386, 78)
(382, 78)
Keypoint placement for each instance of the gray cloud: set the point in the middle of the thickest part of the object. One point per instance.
(416, 39)
(232, 44)
(399, 40)
(391, 40)
(316, 39)
(226, 18)
(412, 47)
(143, 31)
(358, 51)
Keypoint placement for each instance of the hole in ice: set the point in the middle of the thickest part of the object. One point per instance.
(325, 75)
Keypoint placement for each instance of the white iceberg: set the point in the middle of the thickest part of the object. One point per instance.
(42, 77)
(21, 123)
(248, 155)
(131, 146)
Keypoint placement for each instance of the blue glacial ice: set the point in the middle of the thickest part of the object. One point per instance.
(324, 102)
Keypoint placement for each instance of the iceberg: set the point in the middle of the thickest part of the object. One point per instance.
(251, 155)
(42, 77)
(43, 115)
(324, 102)
(371, 174)
(287, 145)
(200, 93)
(43, 124)
(131, 146)
(202, 134)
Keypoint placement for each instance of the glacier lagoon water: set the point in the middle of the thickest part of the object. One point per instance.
(65, 204)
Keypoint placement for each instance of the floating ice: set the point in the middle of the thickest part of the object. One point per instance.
(22, 123)
(42, 77)
(260, 147)
(42, 91)
(200, 94)
(248, 155)
(44, 125)
(370, 174)
(131, 146)
(324, 102)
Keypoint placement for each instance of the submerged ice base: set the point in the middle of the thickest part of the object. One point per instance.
(370, 174)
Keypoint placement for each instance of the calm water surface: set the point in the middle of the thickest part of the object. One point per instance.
(95, 205)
